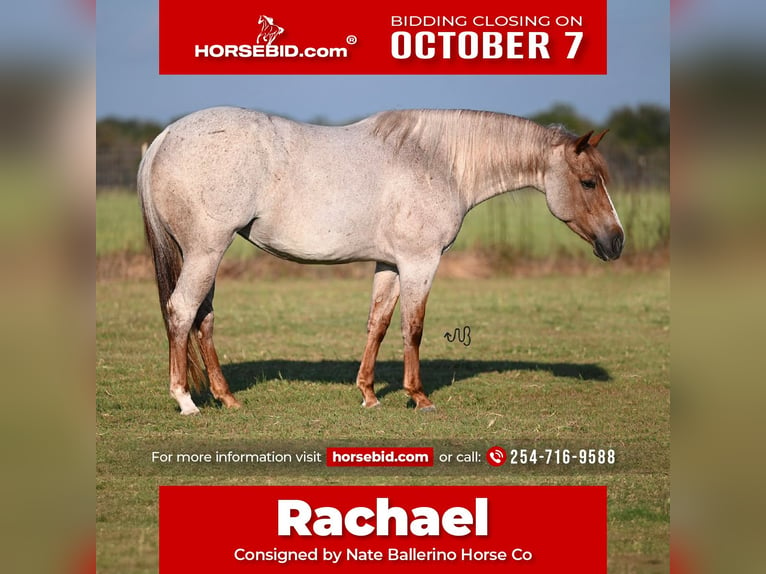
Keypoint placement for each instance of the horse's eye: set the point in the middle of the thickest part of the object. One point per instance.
(588, 183)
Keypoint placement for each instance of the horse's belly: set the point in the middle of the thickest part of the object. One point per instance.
(315, 244)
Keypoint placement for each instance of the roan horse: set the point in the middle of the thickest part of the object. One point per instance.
(392, 188)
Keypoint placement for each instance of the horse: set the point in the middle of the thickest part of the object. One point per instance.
(269, 30)
(392, 188)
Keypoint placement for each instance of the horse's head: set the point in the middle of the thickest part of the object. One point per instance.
(575, 189)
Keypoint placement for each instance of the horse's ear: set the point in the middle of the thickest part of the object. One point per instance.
(582, 142)
(597, 138)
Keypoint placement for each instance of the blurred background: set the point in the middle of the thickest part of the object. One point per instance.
(47, 223)
(719, 277)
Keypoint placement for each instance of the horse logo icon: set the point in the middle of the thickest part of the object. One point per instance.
(269, 30)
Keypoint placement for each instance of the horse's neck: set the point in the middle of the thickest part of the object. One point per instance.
(509, 168)
(479, 193)
(486, 154)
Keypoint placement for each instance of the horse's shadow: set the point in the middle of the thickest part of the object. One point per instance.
(437, 373)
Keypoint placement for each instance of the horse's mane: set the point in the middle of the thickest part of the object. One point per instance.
(473, 145)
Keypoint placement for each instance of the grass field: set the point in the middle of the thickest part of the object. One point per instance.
(518, 224)
(553, 361)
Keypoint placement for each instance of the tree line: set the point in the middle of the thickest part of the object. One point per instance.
(637, 147)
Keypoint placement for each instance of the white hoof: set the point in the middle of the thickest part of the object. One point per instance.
(185, 402)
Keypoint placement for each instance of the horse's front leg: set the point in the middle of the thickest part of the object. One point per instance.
(415, 283)
(385, 293)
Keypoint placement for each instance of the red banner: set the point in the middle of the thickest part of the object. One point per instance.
(531, 529)
(398, 37)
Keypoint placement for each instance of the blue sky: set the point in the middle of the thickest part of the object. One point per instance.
(130, 87)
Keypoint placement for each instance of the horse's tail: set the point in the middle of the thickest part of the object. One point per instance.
(168, 261)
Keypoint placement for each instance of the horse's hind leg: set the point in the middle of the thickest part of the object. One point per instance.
(385, 293)
(218, 385)
(193, 286)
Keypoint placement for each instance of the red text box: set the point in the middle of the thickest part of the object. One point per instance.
(397, 37)
(341, 529)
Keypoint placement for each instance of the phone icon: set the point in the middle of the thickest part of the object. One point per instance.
(496, 456)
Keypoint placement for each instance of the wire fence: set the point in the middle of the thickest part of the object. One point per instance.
(116, 167)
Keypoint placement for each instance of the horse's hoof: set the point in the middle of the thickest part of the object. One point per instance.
(374, 405)
(190, 411)
(230, 402)
(427, 409)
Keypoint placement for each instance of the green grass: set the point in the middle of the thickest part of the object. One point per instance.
(554, 361)
(518, 223)
(118, 223)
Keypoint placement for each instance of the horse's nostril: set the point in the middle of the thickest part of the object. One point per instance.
(617, 244)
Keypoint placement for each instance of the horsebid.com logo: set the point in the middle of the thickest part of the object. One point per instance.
(265, 46)
(269, 30)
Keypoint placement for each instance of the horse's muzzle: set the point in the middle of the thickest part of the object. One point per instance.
(609, 248)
